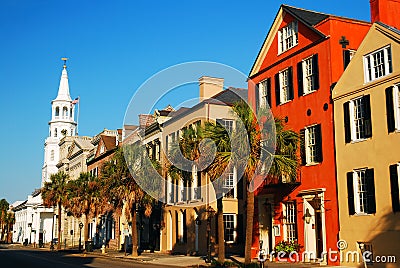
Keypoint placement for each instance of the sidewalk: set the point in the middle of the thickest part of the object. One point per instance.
(155, 258)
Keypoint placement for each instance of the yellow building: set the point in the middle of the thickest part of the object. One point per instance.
(367, 136)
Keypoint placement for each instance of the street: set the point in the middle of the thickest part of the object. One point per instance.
(15, 258)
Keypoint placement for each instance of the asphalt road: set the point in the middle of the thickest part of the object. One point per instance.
(15, 258)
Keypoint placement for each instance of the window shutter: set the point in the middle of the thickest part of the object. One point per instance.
(389, 53)
(279, 41)
(346, 113)
(300, 78)
(239, 229)
(240, 189)
(316, 72)
(369, 180)
(290, 83)
(367, 118)
(394, 187)
(390, 110)
(346, 58)
(269, 91)
(350, 193)
(257, 89)
(277, 89)
(303, 147)
(318, 142)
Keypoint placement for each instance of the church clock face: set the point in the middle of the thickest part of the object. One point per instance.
(64, 132)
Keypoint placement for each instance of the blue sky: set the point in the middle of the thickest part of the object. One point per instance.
(113, 47)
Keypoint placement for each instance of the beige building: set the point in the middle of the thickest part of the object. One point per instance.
(367, 136)
(184, 216)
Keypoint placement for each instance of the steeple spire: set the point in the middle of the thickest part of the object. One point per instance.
(63, 89)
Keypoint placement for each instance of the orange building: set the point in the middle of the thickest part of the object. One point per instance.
(303, 55)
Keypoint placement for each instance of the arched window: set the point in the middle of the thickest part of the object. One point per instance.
(70, 112)
(55, 132)
(52, 155)
(57, 111)
(65, 112)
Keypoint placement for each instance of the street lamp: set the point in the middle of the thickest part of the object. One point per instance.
(210, 212)
(80, 235)
(307, 216)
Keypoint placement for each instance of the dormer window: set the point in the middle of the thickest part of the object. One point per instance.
(287, 37)
(378, 64)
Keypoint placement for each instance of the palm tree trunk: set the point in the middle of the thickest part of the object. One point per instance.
(221, 232)
(86, 230)
(134, 233)
(249, 227)
(59, 226)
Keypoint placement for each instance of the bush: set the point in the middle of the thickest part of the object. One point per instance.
(287, 247)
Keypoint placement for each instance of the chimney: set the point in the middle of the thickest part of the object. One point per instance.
(210, 86)
(386, 11)
(145, 120)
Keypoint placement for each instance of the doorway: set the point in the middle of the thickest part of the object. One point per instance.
(314, 227)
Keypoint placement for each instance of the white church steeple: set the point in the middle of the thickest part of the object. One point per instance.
(62, 124)
(63, 89)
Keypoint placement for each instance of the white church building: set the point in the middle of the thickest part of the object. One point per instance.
(33, 221)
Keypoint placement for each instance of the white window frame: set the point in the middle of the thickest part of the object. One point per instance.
(398, 177)
(308, 75)
(228, 124)
(287, 37)
(232, 179)
(290, 221)
(263, 94)
(360, 202)
(284, 86)
(396, 106)
(234, 221)
(370, 64)
(308, 146)
(353, 125)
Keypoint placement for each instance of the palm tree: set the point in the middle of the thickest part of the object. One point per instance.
(283, 156)
(84, 198)
(4, 205)
(220, 136)
(55, 193)
(121, 189)
(9, 222)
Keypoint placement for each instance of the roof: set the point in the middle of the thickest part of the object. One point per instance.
(388, 27)
(310, 17)
(109, 142)
(226, 97)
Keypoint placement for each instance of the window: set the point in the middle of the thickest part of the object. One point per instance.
(65, 112)
(378, 64)
(229, 228)
(311, 145)
(394, 186)
(229, 185)
(348, 54)
(52, 155)
(55, 132)
(393, 108)
(357, 119)
(287, 37)
(228, 124)
(57, 111)
(263, 94)
(361, 191)
(284, 86)
(308, 75)
(102, 149)
(290, 221)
